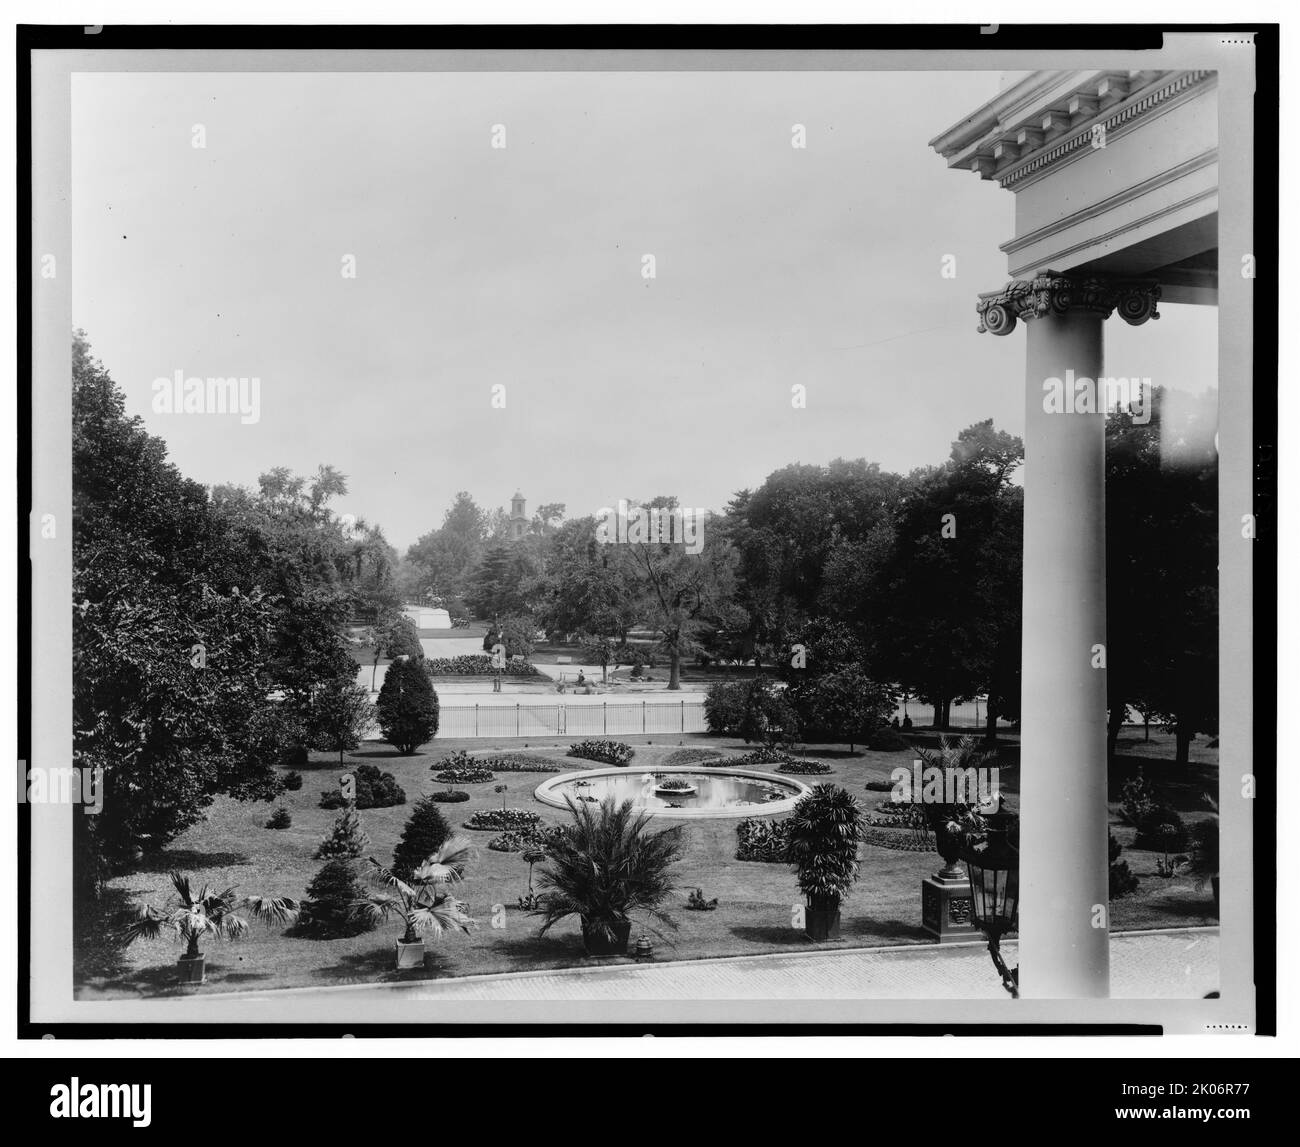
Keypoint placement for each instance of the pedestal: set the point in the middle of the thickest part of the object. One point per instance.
(946, 908)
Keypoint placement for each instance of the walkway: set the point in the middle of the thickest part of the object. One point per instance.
(1177, 964)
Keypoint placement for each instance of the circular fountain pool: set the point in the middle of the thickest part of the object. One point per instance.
(684, 791)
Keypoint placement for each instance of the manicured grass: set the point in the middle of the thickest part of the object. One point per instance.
(755, 900)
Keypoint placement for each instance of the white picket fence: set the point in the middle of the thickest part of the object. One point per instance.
(619, 718)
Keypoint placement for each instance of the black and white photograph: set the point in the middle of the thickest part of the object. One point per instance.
(648, 532)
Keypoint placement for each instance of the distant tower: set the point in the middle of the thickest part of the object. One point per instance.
(518, 519)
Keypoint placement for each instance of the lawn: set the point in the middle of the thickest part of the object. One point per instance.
(755, 900)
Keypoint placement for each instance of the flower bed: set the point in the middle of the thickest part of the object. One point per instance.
(762, 840)
(696, 756)
(518, 763)
(503, 819)
(478, 665)
(464, 775)
(607, 752)
(449, 796)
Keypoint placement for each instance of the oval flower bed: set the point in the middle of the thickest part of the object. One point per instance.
(503, 820)
(606, 752)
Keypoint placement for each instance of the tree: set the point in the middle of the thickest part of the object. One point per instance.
(948, 592)
(449, 553)
(341, 715)
(426, 831)
(766, 714)
(844, 705)
(402, 639)
(170, 640)
(347, 840)
(678, 593)
(1162, 568)
(408, 706)
(329, 912)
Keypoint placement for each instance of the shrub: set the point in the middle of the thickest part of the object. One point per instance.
(511, 842)
(426, 831)
(340, 715)
(503, 819)
(292, 781)
(1153, 834)
(346, 841)
(1137, 800)
(449, 796)
(724, 705)
(1122, 880)
(280, 819)
(328, 912)
(758, 838)
(370, 789)
(407, 708)
(608, 752)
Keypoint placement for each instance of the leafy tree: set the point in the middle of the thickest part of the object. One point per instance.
(766, 713)
(402, 639)
(426, 831)
(679, 594)
(844, 705)
(448, 554)
(170, 638)
(341, 715)
(407, 708)
(1162, 648)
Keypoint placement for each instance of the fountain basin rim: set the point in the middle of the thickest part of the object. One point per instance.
(546, 792)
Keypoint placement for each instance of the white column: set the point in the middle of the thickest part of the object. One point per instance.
(1063, 815)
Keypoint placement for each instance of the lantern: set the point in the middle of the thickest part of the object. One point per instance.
(992, 856)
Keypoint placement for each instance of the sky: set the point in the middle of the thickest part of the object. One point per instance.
(523, 266)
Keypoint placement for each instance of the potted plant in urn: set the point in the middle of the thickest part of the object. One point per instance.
(421, 902)
(217, 914)
(604, 867)
(822, 844)
(1204, 865)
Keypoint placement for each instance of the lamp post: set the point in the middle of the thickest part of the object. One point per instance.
(992, 856)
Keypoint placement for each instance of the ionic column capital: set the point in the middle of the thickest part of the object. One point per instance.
(1052, 293)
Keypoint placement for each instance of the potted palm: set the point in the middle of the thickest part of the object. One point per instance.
(420, 902)
(605, 866)
(191, 917)
(823, 832)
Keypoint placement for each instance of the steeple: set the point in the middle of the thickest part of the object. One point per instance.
(518, 519)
